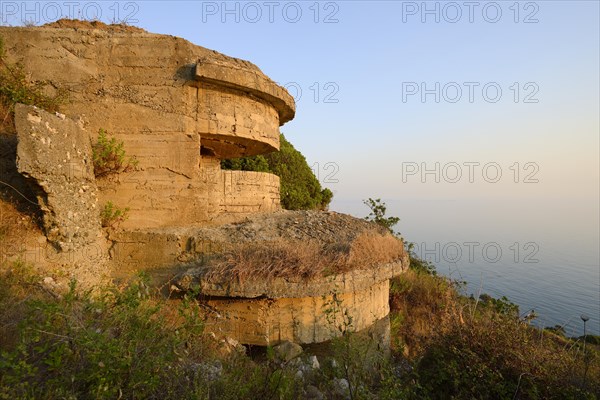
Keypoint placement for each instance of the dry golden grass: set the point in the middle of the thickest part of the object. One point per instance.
(372, 248)
(304, 259)
(118, 27)
(275, 259)
(420, 306)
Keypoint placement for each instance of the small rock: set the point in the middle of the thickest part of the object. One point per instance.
(232, 342)
(49, 282)
(286, 351)
(341, 387)
(312, 393)
(307, 367)
(228, 346)
(209, 371)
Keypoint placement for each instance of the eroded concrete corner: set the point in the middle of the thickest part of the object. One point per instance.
(56, 153)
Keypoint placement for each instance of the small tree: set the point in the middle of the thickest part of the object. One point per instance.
(377, 214)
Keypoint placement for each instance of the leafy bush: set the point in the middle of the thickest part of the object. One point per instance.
(246, 379)
(109, 156)
(128, 343)
(256, 163)
(496, 356)
(502, 305)
(300, 189)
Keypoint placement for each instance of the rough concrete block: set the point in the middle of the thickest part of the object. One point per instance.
(56, 153)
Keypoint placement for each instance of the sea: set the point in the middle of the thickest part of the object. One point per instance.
(542, 254)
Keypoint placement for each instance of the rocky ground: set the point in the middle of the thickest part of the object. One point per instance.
(79, 24)
(325, 227)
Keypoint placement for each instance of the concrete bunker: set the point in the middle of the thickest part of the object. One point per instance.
(180, 109)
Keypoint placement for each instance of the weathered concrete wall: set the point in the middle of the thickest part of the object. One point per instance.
(165, 188)
(173, 104)
(227, 116)
(249, 192)
(352, 281)
(300, 320)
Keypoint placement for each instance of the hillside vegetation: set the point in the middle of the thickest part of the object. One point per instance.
(131, 342)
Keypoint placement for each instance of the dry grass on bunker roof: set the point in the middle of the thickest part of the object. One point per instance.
(305, 259)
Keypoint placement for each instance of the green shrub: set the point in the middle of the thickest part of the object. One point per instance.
(300, 189)
(463, 349)
(502, 305)
(128, 343)
(111, 215)
(495, 356)
(246, 379)
(115, 344)
(109, 156)
(256, 163)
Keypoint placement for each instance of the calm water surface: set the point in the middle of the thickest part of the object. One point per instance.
(541, 254)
